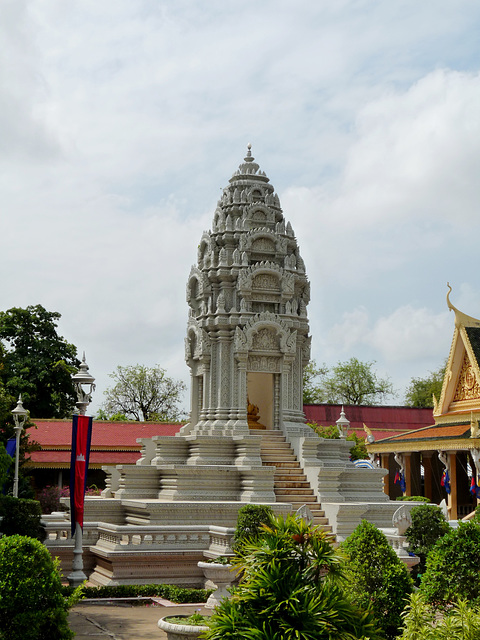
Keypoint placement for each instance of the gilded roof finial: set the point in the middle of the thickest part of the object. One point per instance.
(461, 318)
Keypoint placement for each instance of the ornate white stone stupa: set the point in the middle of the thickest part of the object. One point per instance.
(247, 336)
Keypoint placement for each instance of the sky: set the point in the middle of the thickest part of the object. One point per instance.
(121, 121)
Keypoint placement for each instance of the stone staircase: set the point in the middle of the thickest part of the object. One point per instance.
(290, 483)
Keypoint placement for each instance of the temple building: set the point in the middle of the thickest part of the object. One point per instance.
(441, 461)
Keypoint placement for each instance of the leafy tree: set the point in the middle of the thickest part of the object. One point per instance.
(6, 463)
(350, 382)
(37, 362)
(291, 590)
(144, 393)
(428, 526)
(376, 576)
(250, 521)
(452, 567)
(420, 391)
(312, 391)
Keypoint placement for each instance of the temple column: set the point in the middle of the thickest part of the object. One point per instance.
(385, 464)
(452, 496)
(408, 474)
(427, 474)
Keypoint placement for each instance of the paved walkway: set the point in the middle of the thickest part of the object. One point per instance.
(124, 621)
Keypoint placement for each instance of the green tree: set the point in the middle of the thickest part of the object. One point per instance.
(291, 590)
(350, 382)
(144, 393)
(428, 526)
(37, 362)
(358, 451)
(452, 567)
(376, 576)
(312, 391)
(420, 391)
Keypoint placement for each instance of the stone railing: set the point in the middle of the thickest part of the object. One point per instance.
(212, 540)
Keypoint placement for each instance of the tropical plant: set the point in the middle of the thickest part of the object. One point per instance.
(377, 578)
(32, 605)
(452, 567)
(291, 590)
(460, 622)
(428, 526)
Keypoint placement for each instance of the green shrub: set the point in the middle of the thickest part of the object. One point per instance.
(413, 499)
(377, 578)
(453, 567)
(290, 590)
(250, 521)
(31, 603)
(428, 526)
(21, 516)
(180, 595)
(460, 622)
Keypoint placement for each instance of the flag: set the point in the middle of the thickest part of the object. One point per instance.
(474, 488)
(81, 437)
(445, 481)
(400, 479)
(11, 447)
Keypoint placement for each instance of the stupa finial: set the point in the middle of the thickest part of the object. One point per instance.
(249, 157)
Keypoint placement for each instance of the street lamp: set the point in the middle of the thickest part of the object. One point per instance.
(343, 424)
(20, 415)
(84, 384)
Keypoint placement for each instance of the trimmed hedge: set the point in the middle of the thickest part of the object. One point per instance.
(413, 499)
(22, 517)
(179, 595)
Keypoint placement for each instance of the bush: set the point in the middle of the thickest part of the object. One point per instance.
(413, 499)
(290, 590)
(180, 595)
(21, 516)
(32, 605)
(376, 576)
(250, 521)
(428, 525)
(453, 567)
(461, 622)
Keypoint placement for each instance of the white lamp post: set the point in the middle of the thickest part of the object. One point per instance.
(19, 417)
(343, 424)
(84, 384)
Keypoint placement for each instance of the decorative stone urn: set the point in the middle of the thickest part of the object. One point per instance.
(179, 631)
(221, 576)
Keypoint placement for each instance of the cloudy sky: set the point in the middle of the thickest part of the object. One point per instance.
(121, 120)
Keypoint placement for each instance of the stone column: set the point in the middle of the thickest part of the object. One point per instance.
(408, 474)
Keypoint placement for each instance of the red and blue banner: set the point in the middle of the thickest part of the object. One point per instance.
(445, 481)
(81, 437)
(400, 479)
(474, 488)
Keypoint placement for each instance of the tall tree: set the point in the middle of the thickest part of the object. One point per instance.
(350, 382)
(312, 390)
(144, 393)
(37, 362)
(420, 391)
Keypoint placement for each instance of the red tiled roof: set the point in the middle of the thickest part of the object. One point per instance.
(435, 431)
(384, 422)
(110, 435)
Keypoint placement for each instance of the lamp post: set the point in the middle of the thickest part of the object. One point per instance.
(19, 417)
(84, 384)
(343, 424)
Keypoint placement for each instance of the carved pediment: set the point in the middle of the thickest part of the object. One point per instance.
(467, 384)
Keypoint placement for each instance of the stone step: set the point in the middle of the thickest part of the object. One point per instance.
(282, 465)
(280, 457)
(294, 483)
(298, 500)
(285, 475)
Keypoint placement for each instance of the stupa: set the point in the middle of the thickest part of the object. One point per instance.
(247, 336)
(246, 440)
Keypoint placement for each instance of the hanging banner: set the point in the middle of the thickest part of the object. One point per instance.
(81, 437)
(445, 481)
(400, 479)
(11, 447)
